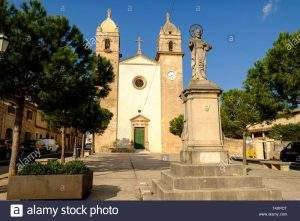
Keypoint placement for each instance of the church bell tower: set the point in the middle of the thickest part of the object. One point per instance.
(169, 55)
(108, 46)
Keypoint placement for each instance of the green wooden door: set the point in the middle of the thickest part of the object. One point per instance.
(139, 138)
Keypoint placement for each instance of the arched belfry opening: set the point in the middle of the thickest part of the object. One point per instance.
(107, 44)
(171, 45)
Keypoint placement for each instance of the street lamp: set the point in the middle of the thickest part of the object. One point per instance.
(3, 43)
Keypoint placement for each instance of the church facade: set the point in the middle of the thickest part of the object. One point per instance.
(144, 97)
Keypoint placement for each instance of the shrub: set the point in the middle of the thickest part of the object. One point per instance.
(176, 125)
(35, 168)
(54, 167)
(75, 167)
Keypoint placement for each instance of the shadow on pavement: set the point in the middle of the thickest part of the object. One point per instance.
(103, 192)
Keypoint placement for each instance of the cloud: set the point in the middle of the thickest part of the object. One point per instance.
(270, 7)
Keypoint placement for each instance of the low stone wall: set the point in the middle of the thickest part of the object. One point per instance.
(233, 146)
(257, 148)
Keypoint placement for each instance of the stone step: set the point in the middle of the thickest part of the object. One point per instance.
(182, 170)
(262, 193)
(209, 182)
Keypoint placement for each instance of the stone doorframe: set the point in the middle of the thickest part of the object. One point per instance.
(140, 121)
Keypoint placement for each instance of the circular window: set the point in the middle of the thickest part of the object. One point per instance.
(139, 82)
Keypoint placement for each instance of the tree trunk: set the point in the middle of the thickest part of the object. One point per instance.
(75, 145)
(93, 144)
(16, 137)
(82, 145)
(62, 157)
(244, 149)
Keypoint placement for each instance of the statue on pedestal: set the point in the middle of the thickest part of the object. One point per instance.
(198, 49)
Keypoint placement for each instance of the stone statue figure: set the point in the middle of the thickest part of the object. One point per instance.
(198, 49)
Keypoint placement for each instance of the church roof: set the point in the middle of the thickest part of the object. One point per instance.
(139, 59)
(169, 28)
(108, 25)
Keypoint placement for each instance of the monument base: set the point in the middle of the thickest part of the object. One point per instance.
(203, 155)
(211, 182)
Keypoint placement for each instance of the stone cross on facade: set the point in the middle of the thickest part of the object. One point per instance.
(198, 48)
(139, 43)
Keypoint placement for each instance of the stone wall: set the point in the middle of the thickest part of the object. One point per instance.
(233, 146)
(261, 148)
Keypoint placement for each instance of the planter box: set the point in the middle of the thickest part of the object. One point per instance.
(49, 186)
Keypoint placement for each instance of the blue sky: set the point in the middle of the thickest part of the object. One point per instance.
(254, 25)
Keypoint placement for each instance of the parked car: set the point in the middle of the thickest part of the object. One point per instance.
(28, 145)
(49, 144)
(4, 150)
(291, 152)
(26, 148)
(88, 146)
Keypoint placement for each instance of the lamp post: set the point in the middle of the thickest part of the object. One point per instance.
(3, 43)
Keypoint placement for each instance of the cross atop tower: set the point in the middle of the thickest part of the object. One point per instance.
(168, 17)
(139, 44)
(108, 13)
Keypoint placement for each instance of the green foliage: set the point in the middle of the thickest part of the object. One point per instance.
(272, 88)
(75, 167)
(91, 117)
(103, 75)
(6, 13)
(288, 132)
(35, 168)
(238, 109)
(54, 167)
(176, 125)
(274, 81)
(21, 67)
(47, 63)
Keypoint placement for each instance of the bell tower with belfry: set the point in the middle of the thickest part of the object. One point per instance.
(169, 55)
(108, 46)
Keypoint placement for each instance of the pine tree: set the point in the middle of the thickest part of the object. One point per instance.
(47, 63)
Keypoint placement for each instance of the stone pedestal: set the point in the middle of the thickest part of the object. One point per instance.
(202, 135)
(204, 172)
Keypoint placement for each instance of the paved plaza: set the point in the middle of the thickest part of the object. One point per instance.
(128, 176)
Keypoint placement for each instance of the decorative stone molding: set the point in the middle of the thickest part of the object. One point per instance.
(140, 121)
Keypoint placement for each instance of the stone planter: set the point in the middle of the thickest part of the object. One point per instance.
(46, 187)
